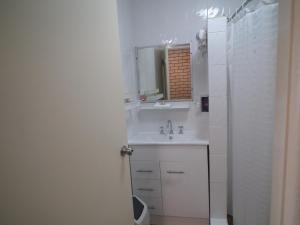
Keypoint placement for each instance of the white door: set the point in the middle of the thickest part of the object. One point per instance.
(61, 115)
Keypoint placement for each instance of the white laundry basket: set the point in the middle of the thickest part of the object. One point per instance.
(141, 212)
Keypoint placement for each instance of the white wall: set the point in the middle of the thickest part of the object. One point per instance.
(147, 22)
(226, 7)
(157, 21)
(127, 47)
(152, 23)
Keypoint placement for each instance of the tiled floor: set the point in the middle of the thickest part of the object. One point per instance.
(230, 220)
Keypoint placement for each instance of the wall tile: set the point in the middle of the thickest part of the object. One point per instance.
(218, 139)
(217, 80)
(218, 111)
(218, 168)
(150, 120)
(217, 24)
(225, 7)
(217, 48)
(218, 200)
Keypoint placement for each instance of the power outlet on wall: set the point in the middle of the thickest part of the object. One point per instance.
(205, 104)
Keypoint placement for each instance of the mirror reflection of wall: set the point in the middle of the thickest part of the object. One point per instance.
(152, 73)
(164, 73)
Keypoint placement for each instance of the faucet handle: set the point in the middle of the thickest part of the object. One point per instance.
(162, 130)
(180, 129)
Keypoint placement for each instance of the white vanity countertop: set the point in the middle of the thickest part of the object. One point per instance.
(151, 138)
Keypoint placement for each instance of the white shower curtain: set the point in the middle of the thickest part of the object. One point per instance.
(252, 52)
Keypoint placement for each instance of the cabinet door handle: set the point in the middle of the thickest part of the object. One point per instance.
(151, 207)
(145, 189)
(175, 172)
(144, 171)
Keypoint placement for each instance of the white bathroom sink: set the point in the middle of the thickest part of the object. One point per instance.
(153, 138)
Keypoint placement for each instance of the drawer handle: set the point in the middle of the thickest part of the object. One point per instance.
(151, 207)
(144, 171)
(145, 189)
(175, 172)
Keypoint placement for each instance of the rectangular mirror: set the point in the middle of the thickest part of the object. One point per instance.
(164, 73)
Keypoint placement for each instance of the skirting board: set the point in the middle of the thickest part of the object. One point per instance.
(218, 221)
(168, 220)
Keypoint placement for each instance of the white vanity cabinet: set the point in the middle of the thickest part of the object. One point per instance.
(172, 179)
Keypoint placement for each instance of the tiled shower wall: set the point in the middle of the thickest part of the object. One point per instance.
(252, 74)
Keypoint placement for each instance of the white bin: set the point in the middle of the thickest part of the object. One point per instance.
(141, 212)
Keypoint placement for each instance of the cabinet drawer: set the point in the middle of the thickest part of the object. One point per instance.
(146, 188)
(154, 205)
(145, 169)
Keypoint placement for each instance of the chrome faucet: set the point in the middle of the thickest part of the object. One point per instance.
(170, 127)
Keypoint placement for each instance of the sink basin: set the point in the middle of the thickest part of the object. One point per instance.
(153, 138)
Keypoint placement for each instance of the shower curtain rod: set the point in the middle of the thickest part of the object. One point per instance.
(239, 10)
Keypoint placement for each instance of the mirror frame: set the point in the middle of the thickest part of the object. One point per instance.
(169, 47)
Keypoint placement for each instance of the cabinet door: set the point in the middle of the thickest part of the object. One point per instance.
(185, 188)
